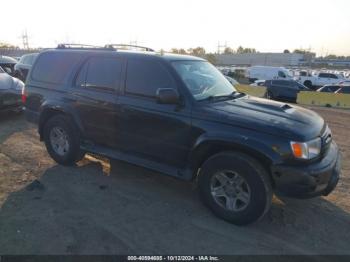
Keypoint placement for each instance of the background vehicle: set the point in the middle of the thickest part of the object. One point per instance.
(10, 92)
(320, 80)
(267, 73)
(7, 63)
(329, 88)
(258, 83)
(232, 80)
(23, 66)
(284, 90)
(345, 83)
(180, 116)
(343, 90)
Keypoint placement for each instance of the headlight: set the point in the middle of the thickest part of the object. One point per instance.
(306, 150)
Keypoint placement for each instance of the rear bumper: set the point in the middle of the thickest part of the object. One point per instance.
(10, 98)
(309, 181)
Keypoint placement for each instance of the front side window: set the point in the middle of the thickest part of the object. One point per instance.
(281, 74)
(300, 86)
(345, 90)
(145, 77)
(202, 79)
(323, 75)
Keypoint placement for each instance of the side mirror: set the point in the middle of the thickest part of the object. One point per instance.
(167, 96)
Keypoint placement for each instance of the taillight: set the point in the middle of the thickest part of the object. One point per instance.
(24, 95)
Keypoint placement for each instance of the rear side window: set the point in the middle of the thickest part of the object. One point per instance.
(145, 77)
(100, 73)
(333, 76)
(54, 67)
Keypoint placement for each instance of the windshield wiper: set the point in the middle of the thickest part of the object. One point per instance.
(232, 95)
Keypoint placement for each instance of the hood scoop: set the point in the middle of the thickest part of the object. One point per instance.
(287, 108)
(271, 105)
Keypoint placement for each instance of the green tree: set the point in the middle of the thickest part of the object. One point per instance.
(242, 50)
(6, 45)
(228, 51)
(211, 58)
(174, 50)
(198, 51)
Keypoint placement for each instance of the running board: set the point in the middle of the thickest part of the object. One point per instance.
(135, 160)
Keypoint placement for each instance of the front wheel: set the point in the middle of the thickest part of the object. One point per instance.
(235, 187)
(62, 140)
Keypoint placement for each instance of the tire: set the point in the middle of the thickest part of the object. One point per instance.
(255, 179)
(71, 153)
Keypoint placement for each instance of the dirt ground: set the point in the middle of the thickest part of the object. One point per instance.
(110, 207)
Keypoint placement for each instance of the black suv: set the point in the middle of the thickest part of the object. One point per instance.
(284, 90)
(180, 116)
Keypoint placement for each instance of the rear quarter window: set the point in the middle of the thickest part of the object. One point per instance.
(54, 67)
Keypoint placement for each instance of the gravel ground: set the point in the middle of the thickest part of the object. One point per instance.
(110, 207)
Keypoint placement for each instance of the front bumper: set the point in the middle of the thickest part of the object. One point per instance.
(309, 181)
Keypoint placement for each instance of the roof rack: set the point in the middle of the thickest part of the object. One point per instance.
(83, 46)
(115, 46)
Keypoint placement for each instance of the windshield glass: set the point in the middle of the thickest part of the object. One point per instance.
(202, 79)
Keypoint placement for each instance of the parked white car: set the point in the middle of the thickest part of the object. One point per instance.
(267, 73)
(320, 79)
(258, 83)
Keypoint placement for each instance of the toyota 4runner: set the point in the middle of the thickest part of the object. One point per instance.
(180, 116)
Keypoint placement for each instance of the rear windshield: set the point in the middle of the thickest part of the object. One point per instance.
(54, 67)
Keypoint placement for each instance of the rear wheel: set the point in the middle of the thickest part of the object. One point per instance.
(235, 187)
(62, 140)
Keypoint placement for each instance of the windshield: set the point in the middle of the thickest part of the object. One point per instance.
(202, 79)
(1, 70)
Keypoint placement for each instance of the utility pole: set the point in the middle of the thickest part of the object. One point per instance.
(220, 47)
(25, 40)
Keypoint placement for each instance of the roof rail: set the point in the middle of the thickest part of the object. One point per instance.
(132, 46)
(83, 46)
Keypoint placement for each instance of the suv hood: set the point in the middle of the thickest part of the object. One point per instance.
(268, 116)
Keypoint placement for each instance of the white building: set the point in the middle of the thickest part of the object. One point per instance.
(268, 59)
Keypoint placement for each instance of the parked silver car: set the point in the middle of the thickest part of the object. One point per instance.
(10, 92)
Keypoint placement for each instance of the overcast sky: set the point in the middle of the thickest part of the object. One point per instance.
(267, 25)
